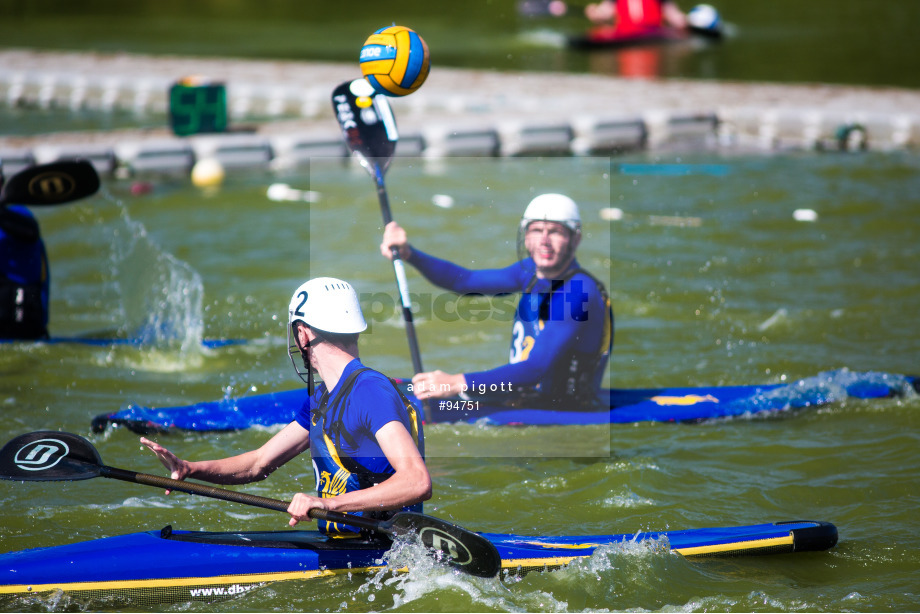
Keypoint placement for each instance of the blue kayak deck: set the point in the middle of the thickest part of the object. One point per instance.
(684, 404)
(180, 566)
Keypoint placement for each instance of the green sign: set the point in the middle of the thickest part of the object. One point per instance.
(197, 107)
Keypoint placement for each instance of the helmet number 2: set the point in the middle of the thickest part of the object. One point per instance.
(298, 311)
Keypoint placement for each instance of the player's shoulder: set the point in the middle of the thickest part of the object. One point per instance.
(373, 381)
(588, 281)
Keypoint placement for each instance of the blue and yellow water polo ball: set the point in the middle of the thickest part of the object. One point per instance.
(395, 60)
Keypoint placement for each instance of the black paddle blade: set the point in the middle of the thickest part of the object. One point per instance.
(51, 184)
(467, 551)
(47, 456)
(367, 123)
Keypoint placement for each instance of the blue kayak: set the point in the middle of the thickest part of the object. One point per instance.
(687, 404)
(169, 566)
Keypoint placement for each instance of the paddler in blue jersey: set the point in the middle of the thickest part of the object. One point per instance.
(563, 326)
(24, 277)
(365, 437)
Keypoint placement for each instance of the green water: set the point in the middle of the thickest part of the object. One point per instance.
(837, 41)
(713, 282)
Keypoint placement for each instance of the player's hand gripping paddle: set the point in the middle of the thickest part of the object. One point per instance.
(48, 456)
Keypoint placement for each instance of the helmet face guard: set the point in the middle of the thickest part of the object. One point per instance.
(550, 208)
(298, 355)
(302, 356)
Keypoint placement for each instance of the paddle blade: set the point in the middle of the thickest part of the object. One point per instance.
(51, 184)
(467, 551)
(46, 456)
(367, 123)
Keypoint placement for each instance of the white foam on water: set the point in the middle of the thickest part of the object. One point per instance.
(412, 572)
(780, 315)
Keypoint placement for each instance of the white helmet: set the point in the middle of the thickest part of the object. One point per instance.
(327, 304)
(552, 208)
(704, 17)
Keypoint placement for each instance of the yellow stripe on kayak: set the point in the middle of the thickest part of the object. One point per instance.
(557, 561)
(192, 583)
(111, 586)
(785, 542)
(564, 546)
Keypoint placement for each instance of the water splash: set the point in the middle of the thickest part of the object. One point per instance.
(627, 499)
(637, 553)
(828, 387)
(617, 577)
(159, 296)
(422, 577)
(423, 572)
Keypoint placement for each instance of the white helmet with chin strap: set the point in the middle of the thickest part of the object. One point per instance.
(552, 208)
(549, 208)
(325, 304)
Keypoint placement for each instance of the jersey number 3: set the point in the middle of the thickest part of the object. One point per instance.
(521, 344)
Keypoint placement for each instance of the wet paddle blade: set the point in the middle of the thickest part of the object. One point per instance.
(467, 551)
(51, 184)
(367, 123)
(46, 456)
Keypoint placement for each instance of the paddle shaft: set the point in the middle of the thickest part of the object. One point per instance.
(399, 269)
(372, 140)
(223, 494)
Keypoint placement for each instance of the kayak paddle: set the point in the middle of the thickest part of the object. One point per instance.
(48, 456)
(46, 184)
(369, 129)
(50, 184)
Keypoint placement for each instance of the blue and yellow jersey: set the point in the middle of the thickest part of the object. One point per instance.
(342, 424)
(561, 335)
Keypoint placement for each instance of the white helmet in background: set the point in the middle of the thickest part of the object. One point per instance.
(327, 304)
(704, 17)
(552, 208)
